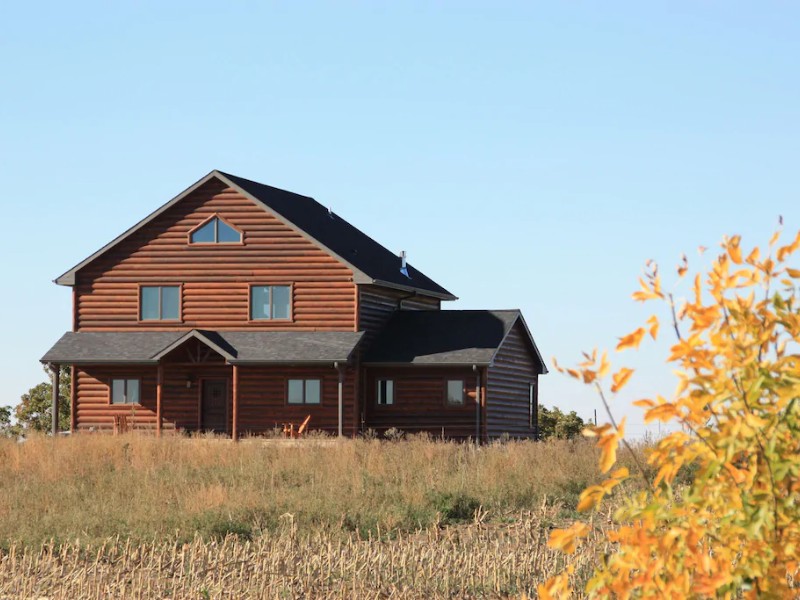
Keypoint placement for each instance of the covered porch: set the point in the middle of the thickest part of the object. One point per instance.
(234, 383)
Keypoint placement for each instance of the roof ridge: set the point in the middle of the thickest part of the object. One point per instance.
(266, 185)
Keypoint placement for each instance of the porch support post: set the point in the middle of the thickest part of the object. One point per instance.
(56, 369)
(159, 391)
(235, 425)
(341, 398)
(484, 393)
(477, 404)
(73, 400)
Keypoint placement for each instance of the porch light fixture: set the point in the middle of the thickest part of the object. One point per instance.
(188, 382)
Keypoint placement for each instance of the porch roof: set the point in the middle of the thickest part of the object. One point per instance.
(237, 347)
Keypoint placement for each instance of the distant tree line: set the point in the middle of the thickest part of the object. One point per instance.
(34, 411)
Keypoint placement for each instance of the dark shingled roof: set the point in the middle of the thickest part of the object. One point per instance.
(238, 347)
(339, 236)
(445, 337)
(371, 262)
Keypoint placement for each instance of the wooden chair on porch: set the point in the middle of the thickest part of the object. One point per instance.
(290, 432)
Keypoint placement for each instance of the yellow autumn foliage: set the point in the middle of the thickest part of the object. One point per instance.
(733, 530)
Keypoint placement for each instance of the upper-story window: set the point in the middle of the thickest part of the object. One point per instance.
(270, 302)
(160, 303)
(215, 231)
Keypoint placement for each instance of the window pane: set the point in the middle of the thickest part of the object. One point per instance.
(381, 391)
(455, 391)
(149, 303)
(226, 233)
(259, 302)
(205, 234)
(117, 391)
(295, 391)
(133, 391)
(385, 391)
(170, 299)
(313, 392)
(280, 301)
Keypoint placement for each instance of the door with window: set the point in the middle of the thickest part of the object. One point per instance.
(214, 406)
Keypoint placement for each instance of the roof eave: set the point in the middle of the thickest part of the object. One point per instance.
(104, 361)
(470, 363)
(411, 288)
(325, 361)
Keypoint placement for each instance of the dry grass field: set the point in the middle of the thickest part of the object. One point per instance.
(137, 517)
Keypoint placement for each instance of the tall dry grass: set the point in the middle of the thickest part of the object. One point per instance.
(92, 488)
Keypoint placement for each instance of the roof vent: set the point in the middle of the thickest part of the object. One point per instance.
(403, 267)
(330, 212)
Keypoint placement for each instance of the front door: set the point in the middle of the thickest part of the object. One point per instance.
(214, 406)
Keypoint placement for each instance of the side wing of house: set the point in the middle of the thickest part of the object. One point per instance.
(512, 399)
(454, 374)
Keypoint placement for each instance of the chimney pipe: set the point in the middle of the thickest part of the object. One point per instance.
(403, 268)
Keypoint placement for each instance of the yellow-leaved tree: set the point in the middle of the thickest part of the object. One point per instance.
(734, 529)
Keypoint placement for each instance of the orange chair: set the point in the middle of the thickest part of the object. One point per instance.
(289, 430)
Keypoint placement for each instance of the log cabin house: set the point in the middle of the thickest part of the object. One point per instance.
(237, 307)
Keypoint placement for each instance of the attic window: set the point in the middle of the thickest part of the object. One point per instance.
(215, 231)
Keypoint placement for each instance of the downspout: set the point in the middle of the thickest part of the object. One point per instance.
(341, 398)
(477, 404)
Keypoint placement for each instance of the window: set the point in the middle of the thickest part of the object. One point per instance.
(385, 391)
(159, 303)
(215, 231)
(304, 391)
(455, 391)
(125, 391)
(532, 405)
(270, 302)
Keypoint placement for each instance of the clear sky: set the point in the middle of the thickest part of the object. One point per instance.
(524, 155)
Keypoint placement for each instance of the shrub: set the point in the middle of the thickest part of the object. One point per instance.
(720, 517)
(555, 424)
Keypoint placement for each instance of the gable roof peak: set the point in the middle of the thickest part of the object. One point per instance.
(370, 261)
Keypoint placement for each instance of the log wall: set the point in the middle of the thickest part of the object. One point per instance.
(420, 402)
(215, 278)
(377, 304)
(262, 397)
(515, 368)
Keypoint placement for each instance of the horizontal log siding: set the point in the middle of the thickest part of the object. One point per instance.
(377, 304)
(94, 408)
(262, 397)
(215, 278)
(420, 404)
(507, 408)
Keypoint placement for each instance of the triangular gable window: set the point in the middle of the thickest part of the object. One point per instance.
(215, 231)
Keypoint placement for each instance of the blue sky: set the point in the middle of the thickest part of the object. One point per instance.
(524, 155)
